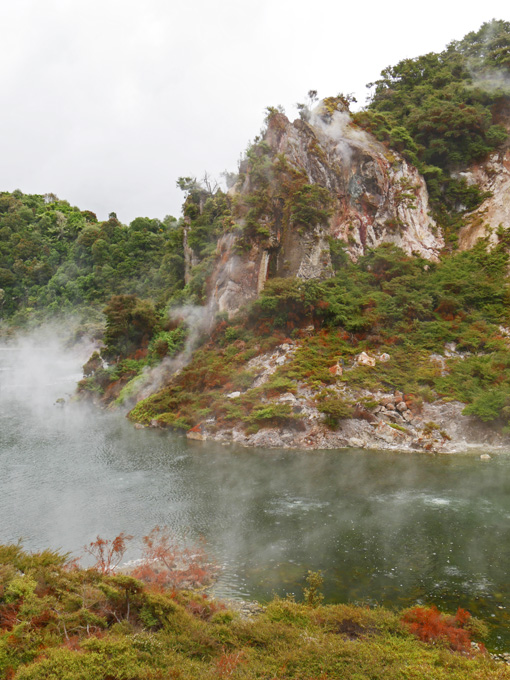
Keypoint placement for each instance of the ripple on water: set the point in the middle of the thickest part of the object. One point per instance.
(294, 505)
(412, 497)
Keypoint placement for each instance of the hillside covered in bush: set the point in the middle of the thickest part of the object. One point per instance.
(55, 258)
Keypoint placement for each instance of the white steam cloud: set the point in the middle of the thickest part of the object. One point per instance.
(38, 366)
(340, 131)
(489, 80)
(492, 81)
(199, 321)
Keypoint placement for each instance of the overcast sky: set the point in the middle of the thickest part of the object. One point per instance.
(107, 102)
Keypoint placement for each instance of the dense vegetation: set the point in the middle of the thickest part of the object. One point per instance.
(62, 623)
(443, 111)
(387, 302)
(56, 258)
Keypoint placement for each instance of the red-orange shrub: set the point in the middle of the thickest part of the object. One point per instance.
(108, 553)
(9, 615)
(167, 564)
(228, 663)
(429, 625)
(204, 608)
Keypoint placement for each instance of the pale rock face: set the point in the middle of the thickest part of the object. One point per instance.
(235, 279)
(377, 197)
(493, 176)
(365, 359)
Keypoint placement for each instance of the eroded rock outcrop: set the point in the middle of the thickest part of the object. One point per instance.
(380, 420)
(377, 196)
(347, 186)
(492, 218)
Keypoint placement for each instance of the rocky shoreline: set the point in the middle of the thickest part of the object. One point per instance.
(438, 428)
(381, 420)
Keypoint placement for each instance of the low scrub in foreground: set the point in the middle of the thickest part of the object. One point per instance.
(61, 622)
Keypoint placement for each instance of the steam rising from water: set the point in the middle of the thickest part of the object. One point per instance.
(383, 527)
(198, 321)
(39, 368)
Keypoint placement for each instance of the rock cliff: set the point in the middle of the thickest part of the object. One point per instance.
(492, 217)
(348, 188)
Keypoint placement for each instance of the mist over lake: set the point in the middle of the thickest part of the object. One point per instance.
(384, 528)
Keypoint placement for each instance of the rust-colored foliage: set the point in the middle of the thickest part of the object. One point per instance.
(108, 553)
(43, 618)
(73, 643)
(140, 353)
(447, 309)
(9, 615)
(227, 664)
(167, 564)
(429, 625)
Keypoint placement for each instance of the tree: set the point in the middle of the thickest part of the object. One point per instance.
(305, 109)
(130, 323)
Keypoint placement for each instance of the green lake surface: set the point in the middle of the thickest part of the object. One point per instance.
(385, 528)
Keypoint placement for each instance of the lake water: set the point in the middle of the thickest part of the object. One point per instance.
(394, 529)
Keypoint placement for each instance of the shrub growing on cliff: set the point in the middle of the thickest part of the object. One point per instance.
(311, 205)
(271, 414)
(167, 343)
(335, 407)
(286, 303)
(490, 405)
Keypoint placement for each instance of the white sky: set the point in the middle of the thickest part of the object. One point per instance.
(107, 102)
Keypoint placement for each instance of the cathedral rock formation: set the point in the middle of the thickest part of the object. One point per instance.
(349, 190)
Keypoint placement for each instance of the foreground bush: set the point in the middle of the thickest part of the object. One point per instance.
(62, 623)
(429, 625)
